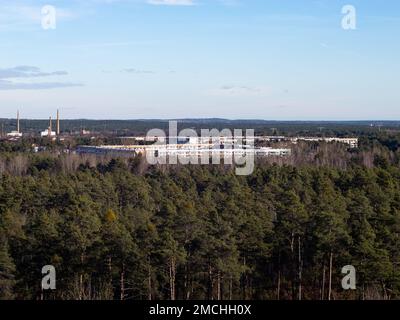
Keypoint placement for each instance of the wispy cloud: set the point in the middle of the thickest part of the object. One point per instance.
(10, 85)
(9, 79)
(27, 72)
(137, 71)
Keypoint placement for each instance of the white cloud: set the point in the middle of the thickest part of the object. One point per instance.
(9, 79)
(27, 72)
(9, 85)
(137, 71)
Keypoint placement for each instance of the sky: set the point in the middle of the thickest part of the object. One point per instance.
(235, 59)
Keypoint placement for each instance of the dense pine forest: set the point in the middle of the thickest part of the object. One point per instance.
(117, 229)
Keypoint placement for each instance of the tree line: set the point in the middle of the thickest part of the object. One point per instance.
(115, 231)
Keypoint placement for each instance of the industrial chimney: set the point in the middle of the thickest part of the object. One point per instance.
(50, 127)
(58, 122)
(18, 128)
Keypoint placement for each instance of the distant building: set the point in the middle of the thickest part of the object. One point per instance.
(184, 150)
(17, 133)
(85, 132)
(14, 134)
(351, 142)
(49, 133)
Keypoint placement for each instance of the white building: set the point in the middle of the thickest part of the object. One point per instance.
(187, 150)
(14, 134)
(49, 133)
(351, 142)
(17, 133)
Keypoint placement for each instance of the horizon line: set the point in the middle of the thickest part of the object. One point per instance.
(207, 119)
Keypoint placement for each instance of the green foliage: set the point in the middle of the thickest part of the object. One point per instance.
(200, 233)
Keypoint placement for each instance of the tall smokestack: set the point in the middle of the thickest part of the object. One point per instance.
(18, 128)
(50, 127)
(58, 122)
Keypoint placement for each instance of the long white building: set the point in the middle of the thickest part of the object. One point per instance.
(189, 150)
(351, 142)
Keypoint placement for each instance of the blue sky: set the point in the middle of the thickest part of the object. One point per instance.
(265, 59)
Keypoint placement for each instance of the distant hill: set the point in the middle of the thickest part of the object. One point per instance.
(142, 126)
